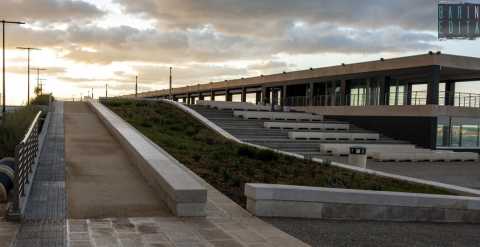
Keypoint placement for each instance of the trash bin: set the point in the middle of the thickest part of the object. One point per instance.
(358, 157)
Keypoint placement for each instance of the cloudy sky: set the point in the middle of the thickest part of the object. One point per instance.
(88, 43)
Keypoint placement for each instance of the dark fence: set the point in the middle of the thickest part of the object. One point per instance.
(26, 154)
(469, 100)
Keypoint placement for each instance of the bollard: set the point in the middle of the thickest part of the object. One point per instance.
(358, 157)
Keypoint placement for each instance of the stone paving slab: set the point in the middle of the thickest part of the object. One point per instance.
(175, 231)
(45, 215)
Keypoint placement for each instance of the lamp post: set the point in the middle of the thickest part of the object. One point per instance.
(38, 75)
(136, 86)
(3, 52)
(28, 69)
(170, 82)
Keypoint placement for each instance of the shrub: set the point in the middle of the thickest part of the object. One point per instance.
(42, 100)
(246, 151)
(13, 128)
(266, 155)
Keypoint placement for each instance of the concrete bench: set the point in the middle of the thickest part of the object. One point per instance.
(278, 116)
(226, 105)
(272, 200)
(332, 136)
(344, 148)
(425, 155)
(180, 191)
(306, 126)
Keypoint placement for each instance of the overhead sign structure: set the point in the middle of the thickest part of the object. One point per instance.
(458, 20)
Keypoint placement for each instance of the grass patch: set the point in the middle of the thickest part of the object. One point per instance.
(227, 165)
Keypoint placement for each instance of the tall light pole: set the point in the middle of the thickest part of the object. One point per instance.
(38, 75)
(92, 92)
(170, 82)
(28, 69)
(3, 53)
(106, 90)
(136, 86)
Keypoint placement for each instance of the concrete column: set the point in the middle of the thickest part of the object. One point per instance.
(244, 95)
(258, 97)
(333, 97)
(343, 92)
(432, 88)
(309, 94)
(212, 95)
(450, 93)
(228, 96)
(188, 99)
(274, 98)
(385, 90)
(283, 98)
(265, 96)
(408, 98)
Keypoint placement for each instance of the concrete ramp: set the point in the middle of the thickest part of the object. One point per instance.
(101, 180)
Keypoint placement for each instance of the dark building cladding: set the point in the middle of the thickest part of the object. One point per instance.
(409, 98)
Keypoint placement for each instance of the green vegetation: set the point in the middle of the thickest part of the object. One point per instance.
(13, 127)
(42, 100)
(227, 165)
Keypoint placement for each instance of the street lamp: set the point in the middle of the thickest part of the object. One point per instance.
(28, 69)
(170, 83)
(3, 52)
(38, 75)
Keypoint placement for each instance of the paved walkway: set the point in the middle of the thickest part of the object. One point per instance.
(102, 182)
(379, 234)
(45, 213)
(466, 174)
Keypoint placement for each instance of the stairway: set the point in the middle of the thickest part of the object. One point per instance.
(253, 131)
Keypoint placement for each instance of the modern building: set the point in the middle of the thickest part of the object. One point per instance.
(409, 98)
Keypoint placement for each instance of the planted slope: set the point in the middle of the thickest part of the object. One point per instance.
(227, 165)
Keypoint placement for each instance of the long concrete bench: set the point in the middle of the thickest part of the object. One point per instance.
(428, 155)
(278, 116)
(226, 105)
(183, 194)
(271, 200)
(344, 148)
(306, 126)
(332, 136)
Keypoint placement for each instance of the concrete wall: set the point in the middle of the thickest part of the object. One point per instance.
(268, 200)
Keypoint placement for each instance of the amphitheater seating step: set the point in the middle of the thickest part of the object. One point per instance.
(333, 136)
(292, 116)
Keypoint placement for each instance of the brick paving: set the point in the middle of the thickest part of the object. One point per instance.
(45, 214)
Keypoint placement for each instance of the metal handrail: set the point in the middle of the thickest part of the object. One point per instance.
(459, 99)
(26, 154)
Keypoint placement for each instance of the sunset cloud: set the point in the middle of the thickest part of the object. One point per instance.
(210, 40)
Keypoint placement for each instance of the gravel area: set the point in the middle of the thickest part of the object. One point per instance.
(348, 233)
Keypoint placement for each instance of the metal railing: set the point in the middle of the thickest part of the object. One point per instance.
(26, 154)
(459, 99)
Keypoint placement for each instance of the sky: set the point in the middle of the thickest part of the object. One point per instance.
(87, 44)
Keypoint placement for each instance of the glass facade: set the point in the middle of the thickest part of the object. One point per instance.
(458, 132)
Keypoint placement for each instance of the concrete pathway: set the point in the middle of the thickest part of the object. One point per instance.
(45, 213)
(101, 180)
(379, 234)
